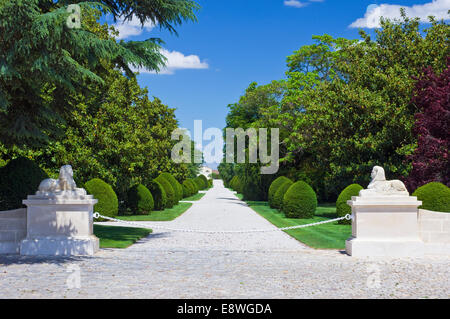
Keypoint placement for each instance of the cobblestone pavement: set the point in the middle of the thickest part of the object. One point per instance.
(187, 265)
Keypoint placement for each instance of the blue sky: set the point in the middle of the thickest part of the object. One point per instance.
(236, 42)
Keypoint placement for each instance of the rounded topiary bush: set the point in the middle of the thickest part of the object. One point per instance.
(200, 182)
(342, 207)
(204, 180)
(18, 179)
(175, 185)
(239, 185)
(140, 200)
(232, 182)
(300, 201)
(210, 183)
(194, 185)
(277, 200)
(159, 195)
(108, 204)
(274, 186)
(187, 189)
(434, 196)
(170, 192)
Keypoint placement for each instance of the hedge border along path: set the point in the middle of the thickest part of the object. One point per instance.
(175, 185)
(170, 192)
(274, 186)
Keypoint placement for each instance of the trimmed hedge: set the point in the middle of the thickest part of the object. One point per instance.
(108, 204)
(175, 185)
(18, 179)
(171, 198)
(210, 183)
(200, 182)
(204, 179)
(434, 196)
(187, 189)
(300, 201)
(342, 207)
(274, 186)
(193, 184)
(140, 200)
(232, 182)
(277, 201)
(159, 195)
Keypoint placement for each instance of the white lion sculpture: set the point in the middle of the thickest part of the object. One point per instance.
(64, 185)
(380, 186)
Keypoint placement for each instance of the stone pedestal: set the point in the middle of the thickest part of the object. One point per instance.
(385, 225)
(59, 226)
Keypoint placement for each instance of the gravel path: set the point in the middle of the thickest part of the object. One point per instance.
(258, 265)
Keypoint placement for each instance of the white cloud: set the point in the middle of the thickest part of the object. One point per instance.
(295, 3)
(132, 28)
(371, 19)
(178, 61)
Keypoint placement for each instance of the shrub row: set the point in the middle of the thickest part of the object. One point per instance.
(296, 200)
(21, 177)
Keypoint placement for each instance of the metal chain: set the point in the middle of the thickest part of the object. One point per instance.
(97, 215)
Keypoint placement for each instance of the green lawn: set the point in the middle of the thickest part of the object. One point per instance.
(167, 214)
(195, 197)
(327, 236)
(119, 237)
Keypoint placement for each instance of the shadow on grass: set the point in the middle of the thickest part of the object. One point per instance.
(118, 236)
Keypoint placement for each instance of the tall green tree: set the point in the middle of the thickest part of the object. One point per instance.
(44, 62)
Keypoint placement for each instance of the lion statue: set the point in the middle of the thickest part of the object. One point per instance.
(380, 186)
(64, 185)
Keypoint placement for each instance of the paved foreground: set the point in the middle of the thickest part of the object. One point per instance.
(251, 265)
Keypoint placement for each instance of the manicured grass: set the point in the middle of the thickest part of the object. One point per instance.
(119, 237)
(327, 236)
(160, 216)
(195, 197)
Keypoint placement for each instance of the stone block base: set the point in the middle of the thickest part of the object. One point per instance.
(379, 248)
(9, 247)
(65, 246)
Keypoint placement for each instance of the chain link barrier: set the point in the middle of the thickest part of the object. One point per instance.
(97, 216)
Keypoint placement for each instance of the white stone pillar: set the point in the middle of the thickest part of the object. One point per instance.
(385, 225)
(59, 227)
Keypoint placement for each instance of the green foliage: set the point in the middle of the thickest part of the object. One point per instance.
(300, 201)
(205, 181)
(187, 189)
(108, 204)
(140, 200)
(210, 182)
(236, 184)
(159, 195)
(255, 186)
(44, 62)
(175, 185)
(277, 201)
(168, 189)
(342, 208)
(226, 173)
(274, 186)
(434, 196)
(19, 178)
(193, 185)
(335, 121)
(201, 181)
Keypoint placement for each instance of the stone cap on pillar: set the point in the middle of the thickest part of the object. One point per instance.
(386, 200)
